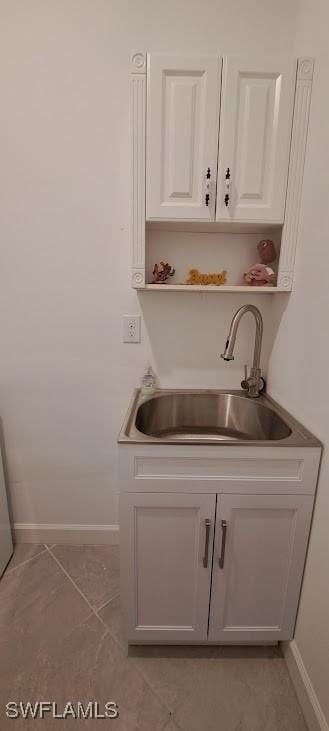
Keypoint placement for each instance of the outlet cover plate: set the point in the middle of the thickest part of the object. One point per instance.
(131, 328)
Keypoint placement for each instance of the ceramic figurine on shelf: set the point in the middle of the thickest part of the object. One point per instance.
(196, 277)
(260, 274)
(162, 272)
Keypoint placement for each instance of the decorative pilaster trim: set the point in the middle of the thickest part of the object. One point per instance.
(285, 279)
(296, 169)
(138, 143)
(137, 62)
(305, 68)
(137, 278)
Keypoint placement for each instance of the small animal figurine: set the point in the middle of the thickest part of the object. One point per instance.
(260, 274)
(196, 277)
(162, 272)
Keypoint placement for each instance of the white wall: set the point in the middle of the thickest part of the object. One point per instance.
(65, 376)
(299, 364)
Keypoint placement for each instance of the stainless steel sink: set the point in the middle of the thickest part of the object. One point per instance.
(205, 415)
(211, 417)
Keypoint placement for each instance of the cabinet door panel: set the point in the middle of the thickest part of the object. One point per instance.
(255, 593)
(254, 143)
(166, 586)
(182, 135)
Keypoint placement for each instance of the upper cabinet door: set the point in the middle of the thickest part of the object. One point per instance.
(182, 136)
(254, 143)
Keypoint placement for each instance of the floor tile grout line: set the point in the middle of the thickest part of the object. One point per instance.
(93, 610)
(142, 674)
(148, 683)
(173, 725)
(115, 596)
(172, 720)
(179, 728)
(135, 665)
(27, 560)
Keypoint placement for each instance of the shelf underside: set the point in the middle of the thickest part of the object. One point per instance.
(209, 288)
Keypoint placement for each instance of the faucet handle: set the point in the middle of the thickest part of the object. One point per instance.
(244, 383)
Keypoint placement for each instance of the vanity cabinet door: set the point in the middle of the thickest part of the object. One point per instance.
(166, 558)
(259, 554)
(183, 94)
(254, 143)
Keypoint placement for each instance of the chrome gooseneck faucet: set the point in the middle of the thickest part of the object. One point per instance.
(254, 383)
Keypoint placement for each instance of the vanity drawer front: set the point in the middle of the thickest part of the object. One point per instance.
(234, 470)
(195, 468)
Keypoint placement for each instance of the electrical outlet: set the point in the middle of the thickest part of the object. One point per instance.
(131, 328)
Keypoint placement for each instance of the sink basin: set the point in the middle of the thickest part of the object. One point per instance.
(205, 415)
(211, 417)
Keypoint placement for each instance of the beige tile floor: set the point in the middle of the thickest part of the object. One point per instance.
(61, 640)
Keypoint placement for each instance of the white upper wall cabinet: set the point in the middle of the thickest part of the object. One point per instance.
(254, 141)
(183, 94)
(253, 155)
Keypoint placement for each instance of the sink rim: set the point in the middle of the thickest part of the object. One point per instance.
(300, 436)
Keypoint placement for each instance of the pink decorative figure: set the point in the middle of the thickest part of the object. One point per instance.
(261, 275)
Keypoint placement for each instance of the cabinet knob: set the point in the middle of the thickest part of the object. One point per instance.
(227, 187)
(207, 187)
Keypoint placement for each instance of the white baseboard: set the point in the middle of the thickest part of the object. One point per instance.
(306, 695)
(70, 534)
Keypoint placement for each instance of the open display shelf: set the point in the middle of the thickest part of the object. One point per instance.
(208, 251)
(209, 288)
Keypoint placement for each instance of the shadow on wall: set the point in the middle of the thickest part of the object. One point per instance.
(187, 333)
(279, 306)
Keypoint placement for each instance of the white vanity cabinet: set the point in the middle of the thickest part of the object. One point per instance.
(213, 541)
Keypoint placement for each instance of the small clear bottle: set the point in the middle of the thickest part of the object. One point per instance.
(148, 382)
